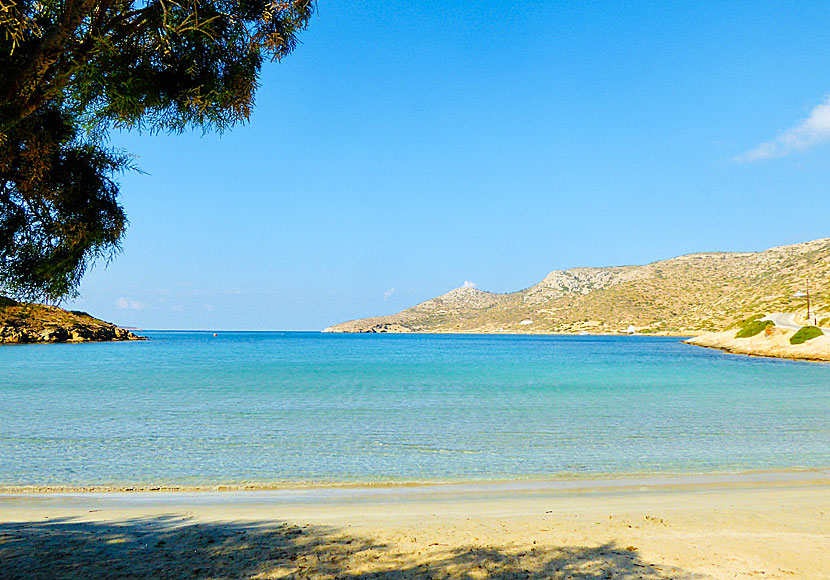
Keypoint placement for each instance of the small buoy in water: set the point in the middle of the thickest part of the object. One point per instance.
(214, 334)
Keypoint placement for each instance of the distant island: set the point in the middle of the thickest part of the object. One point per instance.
(22, 322)
(689, 295)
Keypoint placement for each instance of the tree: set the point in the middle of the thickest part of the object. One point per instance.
(72, 70)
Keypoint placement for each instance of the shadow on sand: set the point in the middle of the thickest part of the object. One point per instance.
(173, 547)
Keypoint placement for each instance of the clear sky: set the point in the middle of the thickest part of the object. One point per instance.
(406, 148)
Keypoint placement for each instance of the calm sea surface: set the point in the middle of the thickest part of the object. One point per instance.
(188, 408)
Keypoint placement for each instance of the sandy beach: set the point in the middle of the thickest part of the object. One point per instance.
(763, 525)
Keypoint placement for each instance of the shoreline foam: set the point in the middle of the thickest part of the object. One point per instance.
(575, 482)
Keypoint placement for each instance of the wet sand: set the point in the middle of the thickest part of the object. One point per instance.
(773, 525)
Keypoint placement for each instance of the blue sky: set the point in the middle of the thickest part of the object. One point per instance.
(407, 148)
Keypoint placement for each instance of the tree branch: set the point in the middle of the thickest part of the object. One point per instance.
(23, 87)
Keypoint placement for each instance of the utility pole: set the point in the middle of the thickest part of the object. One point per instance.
(808, 301)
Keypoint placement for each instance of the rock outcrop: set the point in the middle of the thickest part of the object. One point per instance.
(774, 343)
(31, 323)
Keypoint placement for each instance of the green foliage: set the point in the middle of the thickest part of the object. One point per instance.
(4, 302)
(753, 327)
(58, 207)
(746, 321)
(805, 333)
(72, 69)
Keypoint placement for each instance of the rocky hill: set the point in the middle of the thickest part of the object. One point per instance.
(687, 295)
(22, 323)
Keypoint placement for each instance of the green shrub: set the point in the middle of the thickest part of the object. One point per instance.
(805, 333)
(746, 321)
(753, 327)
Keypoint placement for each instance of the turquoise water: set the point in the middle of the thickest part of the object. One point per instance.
(187, 408)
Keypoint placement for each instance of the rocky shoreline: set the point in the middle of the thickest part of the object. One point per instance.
(775, 344)
(23, 323)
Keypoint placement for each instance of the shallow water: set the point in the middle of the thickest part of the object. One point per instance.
(189, 409)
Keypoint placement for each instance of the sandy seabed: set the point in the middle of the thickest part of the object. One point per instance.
(682, 528)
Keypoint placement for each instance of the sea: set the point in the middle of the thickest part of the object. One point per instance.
(307, 408)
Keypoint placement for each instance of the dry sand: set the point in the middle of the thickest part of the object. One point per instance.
(758, 526)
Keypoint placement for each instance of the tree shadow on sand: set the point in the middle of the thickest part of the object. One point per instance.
(173, 547)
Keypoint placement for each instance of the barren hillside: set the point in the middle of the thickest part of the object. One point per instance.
(686, 295)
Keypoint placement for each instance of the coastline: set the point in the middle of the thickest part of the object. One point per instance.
(505, 332)
(773, 345)
(529, 484)
(28, 323)
(582, 526)
(683, 530)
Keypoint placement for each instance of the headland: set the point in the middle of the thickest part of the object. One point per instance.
(22, 322)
